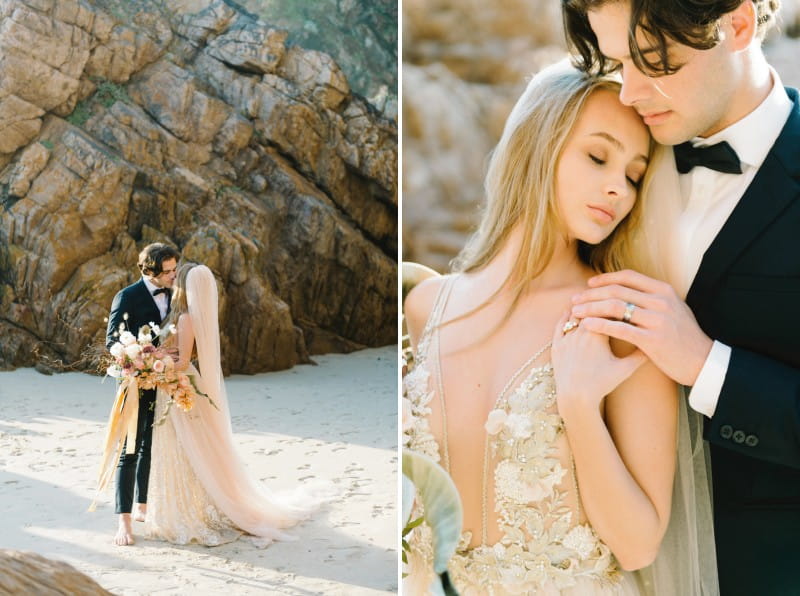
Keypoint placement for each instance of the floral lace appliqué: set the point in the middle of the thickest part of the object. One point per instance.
(542, 546)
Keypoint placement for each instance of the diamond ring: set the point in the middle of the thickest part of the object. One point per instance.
(629, 308)
(569, 326)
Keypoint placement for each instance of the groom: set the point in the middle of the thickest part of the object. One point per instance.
(696, 73)
(142, 303)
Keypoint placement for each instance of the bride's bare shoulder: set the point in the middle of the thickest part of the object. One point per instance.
(184, 320)
(419, 303)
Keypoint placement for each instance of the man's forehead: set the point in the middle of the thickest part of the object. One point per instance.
(610, 23)
(612, 30)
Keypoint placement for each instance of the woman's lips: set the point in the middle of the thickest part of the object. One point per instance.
(602, 214)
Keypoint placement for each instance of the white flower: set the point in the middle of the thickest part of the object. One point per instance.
(582, 540)
(114, 371)
(117, 350)
(156, 329)
(127, 338)
(145, 338)
(495, 421)
(133, 350)
(408, 415)
(173, 328)
(511, 485)
(519, 425)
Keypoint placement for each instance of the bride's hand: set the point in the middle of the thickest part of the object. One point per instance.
(585, 369)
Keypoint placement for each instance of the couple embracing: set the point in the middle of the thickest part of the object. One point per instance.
(190, 485)
(632, 288)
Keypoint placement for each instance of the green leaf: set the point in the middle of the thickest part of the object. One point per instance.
(439, 497)
(411, 525)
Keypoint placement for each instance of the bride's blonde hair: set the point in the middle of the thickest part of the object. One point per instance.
(521, 182)
(178, 303)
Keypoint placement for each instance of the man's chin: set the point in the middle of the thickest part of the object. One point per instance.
(669, 135)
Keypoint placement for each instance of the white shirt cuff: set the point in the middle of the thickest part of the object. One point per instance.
(705, 393)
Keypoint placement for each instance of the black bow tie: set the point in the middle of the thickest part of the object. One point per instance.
(161, 291)
(720, 157)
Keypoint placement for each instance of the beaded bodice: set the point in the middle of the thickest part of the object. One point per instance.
(542, 545)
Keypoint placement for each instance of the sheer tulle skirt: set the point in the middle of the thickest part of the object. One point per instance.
(200, 490)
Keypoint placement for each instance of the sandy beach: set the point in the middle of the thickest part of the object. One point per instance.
(334, 422)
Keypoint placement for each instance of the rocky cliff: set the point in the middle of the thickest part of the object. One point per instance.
(127, 123)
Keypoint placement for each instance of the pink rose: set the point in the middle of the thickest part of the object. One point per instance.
(159, 366)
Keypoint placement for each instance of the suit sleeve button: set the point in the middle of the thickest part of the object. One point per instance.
(726, 431)
(751, 440)
(738, 436)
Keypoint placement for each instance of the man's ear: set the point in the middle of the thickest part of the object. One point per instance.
(743, 24)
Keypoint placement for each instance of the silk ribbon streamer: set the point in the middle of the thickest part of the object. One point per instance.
(121, 429)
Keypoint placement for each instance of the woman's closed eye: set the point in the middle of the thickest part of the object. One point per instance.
(634, 183)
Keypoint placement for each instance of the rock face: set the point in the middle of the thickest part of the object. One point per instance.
(360, 34)
(465, 63)
(29, 573)
(198, 127)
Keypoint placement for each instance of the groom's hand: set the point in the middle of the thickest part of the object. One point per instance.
(661, 325)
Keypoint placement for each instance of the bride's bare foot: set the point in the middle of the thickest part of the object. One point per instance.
(140, 512)
(124, 535)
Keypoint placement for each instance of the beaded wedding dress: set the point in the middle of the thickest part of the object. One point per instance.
(199, 490)
(546, 547)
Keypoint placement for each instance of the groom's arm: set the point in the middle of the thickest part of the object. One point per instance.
(119, 308)
(758, 410)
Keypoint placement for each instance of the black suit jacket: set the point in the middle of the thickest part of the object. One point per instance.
(135, 301)
(746, 294)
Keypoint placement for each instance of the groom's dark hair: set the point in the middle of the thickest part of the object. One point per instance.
(694, 23)
(153, 255)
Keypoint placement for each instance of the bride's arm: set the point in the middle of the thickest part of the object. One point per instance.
(185, 341)
(626, 463)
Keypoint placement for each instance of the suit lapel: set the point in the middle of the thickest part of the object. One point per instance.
(145, 296)
(150, 310)
(775, 186)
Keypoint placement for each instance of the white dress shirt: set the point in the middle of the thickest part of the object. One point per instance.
(160, 300)
(710, 197)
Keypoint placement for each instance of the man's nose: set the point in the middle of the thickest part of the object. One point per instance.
(635, 85)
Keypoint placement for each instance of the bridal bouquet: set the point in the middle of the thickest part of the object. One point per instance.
(137, 357)
(137, 361)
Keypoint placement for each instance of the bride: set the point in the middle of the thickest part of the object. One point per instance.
(200, 490)
(562, 445)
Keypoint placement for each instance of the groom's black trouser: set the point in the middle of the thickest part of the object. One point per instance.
(134, 469)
